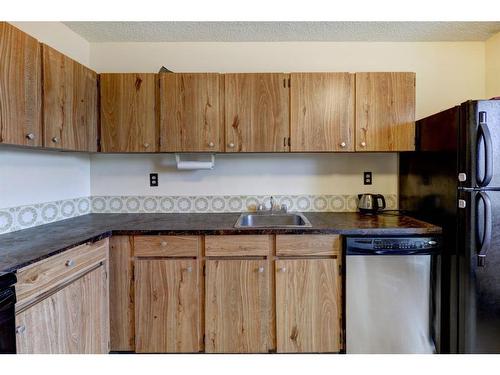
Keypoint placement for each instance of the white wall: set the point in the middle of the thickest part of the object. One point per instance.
(30, 176)
(493, 66)
(447, 73)
(255, 174)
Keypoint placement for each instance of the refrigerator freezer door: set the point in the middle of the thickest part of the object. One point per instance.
(479, 275)
(480, 144)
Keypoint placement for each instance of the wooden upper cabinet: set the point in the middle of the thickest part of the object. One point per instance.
(20, 87)
(385, 111)
(257, 112)
(69, 103)
(128, 112)
(308, 306)
(190, 118)
(238, 317)
(322, 112)
(167, 306)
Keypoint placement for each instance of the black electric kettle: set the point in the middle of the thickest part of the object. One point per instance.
(371, 203)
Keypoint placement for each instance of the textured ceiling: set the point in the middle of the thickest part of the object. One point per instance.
(283, 31)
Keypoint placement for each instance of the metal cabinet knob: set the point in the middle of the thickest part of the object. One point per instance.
(146, 145)
(30, 136)
(163, 243)
(211, 144)
(55, 139)
(363, 144)
(231, 145)
(282, 269)
(20, 329)
(343, 144)
(70, 263)
(261, 269)
(189, 269)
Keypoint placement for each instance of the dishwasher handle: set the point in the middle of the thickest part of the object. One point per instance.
(364, 251)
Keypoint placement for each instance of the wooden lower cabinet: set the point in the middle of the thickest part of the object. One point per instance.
(238, 317)
(308, 305)
(72, 320)
(167, 306)
(121, 299)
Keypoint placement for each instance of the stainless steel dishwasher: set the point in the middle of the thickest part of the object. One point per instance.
(392, 295)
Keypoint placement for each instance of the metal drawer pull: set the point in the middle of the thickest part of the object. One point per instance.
(189, 269)
(70, 263)
(163, 243)
(282, 269)
(20, 329)
(261, 269)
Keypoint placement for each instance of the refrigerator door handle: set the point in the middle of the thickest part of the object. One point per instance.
(483, 135)
(483, 239)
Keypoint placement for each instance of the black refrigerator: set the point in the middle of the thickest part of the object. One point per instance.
(453, 180)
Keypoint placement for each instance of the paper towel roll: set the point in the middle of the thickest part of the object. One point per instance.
(194, 164)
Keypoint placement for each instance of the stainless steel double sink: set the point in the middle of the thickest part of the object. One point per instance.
(272, 220)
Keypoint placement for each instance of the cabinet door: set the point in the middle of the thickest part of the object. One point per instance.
(238, 307)
(385, 111)
(20, 87)
(256, 112)
(69, 103)
(128, 112)
(322, 112)
(74, 320)
(189, 112)
(167, 306)
(121, 300)
(308, 305)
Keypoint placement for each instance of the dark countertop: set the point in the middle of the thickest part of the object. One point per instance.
(18, 249)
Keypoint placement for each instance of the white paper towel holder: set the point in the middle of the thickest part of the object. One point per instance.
(194, 161)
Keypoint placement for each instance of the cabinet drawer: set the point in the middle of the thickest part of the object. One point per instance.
(37, 278)
(238, 245)
(307, 244)
(167, 246)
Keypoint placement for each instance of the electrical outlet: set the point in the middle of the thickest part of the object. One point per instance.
(153, 179)
(367, 178)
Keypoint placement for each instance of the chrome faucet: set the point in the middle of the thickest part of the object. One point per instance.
(273, 207)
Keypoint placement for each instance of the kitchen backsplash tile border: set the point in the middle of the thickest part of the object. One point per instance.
(22, 217)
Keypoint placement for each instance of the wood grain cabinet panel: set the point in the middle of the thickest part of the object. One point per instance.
(238, 245)
(168, 306)
(189, 112)
(128, 112)
(167, 246)
(238, 316)
(121, 298)
(308, 245)
(69, 103)
(45, 275)
(385, 111)
(322, 112)
(308, 305)
(256, 112)
(74, 320)
(20, 88)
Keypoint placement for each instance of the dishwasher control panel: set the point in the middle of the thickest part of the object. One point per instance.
(391, 245)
